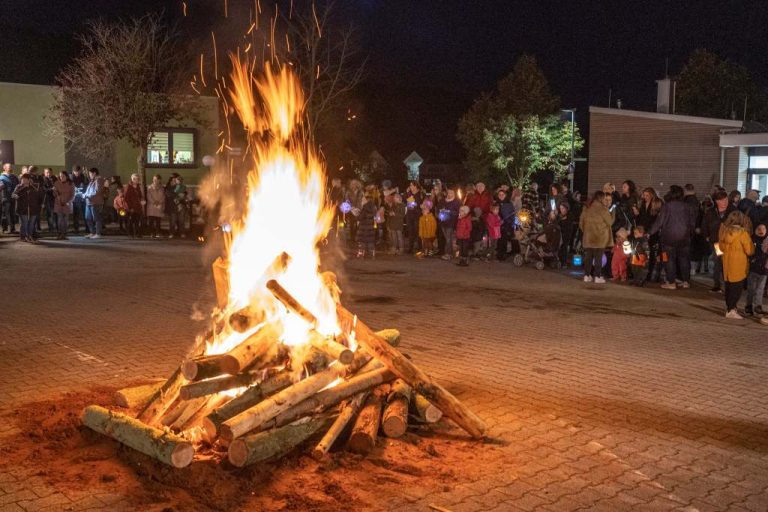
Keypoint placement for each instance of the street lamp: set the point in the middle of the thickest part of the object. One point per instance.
(572, 165)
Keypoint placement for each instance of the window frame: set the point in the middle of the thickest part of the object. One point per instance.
(170, 165)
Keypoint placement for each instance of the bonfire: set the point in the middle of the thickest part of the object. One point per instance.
(284, 361)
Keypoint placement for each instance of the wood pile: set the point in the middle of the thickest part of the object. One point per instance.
(259, 404)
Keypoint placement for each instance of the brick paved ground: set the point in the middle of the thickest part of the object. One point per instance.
(601, 397)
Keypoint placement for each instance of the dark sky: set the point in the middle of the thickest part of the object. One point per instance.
(432, 57)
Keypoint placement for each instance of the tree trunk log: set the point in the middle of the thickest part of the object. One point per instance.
(267, 409)
(252, 396)
(137, 396)
(273, 444)
(159, 403)
(191, 407)
(221, 281)
(335, 350)
(212, 386)
(394, 421)
(406, 370)
(204, 367)
(330, 397)
(163, 446)
(257, 350)
(424, 411)
(349, 410)
(363, 437)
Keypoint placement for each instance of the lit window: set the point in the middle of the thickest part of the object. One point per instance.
(758, 162)
(172, 148)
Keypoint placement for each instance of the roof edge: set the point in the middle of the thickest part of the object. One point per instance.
(667, 117)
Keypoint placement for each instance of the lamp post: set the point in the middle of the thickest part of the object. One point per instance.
(572, 165)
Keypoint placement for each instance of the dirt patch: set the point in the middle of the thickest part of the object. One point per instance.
(51, 443)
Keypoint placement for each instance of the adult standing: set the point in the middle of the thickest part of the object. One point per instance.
(64, 194)
(95, 195)
(155, 205)
(595, 224)
(29, 200)
(626, 216)
(8, 184)
(675, 225)
(530, 199)
(736, 244)
(49, 180)
(553, 200)
(170, 204)
(80, 181)
(413, 199)
(134, 199)
(710, 229)
(448, 214)
(567, 228)
(355, 199)
(37, 180)
(507, 214)
(180, 208)
(646, 215)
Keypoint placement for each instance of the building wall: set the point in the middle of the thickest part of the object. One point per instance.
(22, 109)
(656, 153)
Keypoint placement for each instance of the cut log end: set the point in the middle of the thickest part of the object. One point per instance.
(238, 453)
(182, 456)
(395, 420)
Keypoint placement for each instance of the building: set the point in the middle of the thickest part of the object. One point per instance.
(662, 148)
(177, 148)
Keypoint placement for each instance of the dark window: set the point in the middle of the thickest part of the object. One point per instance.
(172, 147)
(6, 152)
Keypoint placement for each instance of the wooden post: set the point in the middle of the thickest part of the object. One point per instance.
(394, 421)
(349, 410)
(274, 443)
(363, 437)
(166, 447)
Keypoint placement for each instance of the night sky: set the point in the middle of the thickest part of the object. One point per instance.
(428, 59)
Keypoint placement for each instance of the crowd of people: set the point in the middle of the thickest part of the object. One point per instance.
(83, 198)
(626, 235)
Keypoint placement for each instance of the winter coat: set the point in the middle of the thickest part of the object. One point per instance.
(155, 201)
(759, 261)
(710, 225)
(133, 197)
(8, 183)
(646, 218)
(427, 226)
(595, 224)
(531, 200)
(464, 228)
(493, 223)
(507, 215)
(448, 213)
(641, 252)
(675, 224)
(482, 201)
(396, 216)
(119, 203)
(413, 203)
(96, 192)
(365, 232)
(737, 246)
(29, 199)
(65, 194)
(567, 226)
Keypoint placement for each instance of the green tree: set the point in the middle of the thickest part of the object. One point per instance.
(515, 131)
(712, 87)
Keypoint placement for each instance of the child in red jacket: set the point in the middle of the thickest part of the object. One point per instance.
(619, 257)
(493, 223)
(464, 235)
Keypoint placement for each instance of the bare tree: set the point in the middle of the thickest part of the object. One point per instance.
(128, 82)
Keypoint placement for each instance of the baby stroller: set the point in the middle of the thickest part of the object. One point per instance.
(539, 246)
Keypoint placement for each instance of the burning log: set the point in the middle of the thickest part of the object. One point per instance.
(363, 437)
(204, 367)
(424, 411)
(394, 421)
(274, 443)
(394, 360)
(136, 396)
(283, 400)
(248, 399)
(331, 396)
(417, 379)
(349, 410)
(191, 407)
(335, 350)
(221, 281)
(209, 387)
(166, 447)
(162, 399)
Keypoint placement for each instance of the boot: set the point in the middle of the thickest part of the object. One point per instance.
(748, 310)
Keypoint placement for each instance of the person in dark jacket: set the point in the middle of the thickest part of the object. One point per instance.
(447, 215)
(710, 229)
(507, 214)
(758, 273)
(8, 183)
(413, 199)
(676, 224)
(29, 200)
(749, 203)
(49, 180)
(366, 235)
(80, 181)
(567, 229)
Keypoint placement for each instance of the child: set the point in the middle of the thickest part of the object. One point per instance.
(619, 257)
(427, 230)
(736, 245)
(758, 272)
(395, 220)
(493, 223)
(640, 254)
(121, 208)
(463, 235)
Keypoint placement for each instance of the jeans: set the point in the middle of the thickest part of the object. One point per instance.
(717, 269)
(134, 224)
(61, 223)
(178, 222)
(396, 239)
(93, 218)
(678, 264)
(412, 222)
(755, 289)
(733, 294)
(8, 215)
(593, 259)
(27, 227)
(78, 214)
(450, 240)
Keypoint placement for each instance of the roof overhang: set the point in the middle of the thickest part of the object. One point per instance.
(731, 140)
(713, 121)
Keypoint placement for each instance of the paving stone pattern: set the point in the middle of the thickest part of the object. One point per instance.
(601, 397)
